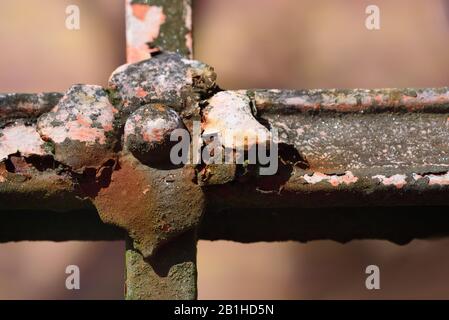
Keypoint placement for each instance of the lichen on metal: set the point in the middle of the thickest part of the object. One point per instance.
(166, 78)
(81, 128)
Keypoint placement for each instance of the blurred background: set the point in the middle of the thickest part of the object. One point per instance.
(251, 43)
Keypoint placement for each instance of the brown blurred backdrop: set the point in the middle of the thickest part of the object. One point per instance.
(251, 43)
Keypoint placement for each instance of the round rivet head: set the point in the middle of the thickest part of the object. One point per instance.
(147, 133)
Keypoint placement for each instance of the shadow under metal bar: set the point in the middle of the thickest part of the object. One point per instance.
(396, 224)
(38, 225)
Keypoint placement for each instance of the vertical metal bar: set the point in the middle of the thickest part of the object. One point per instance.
(158, 25)
(153, 26)
(170, 274)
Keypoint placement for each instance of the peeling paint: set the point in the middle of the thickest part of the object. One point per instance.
(159, 205)
(20, 138)
(188, 24)
(158, 25)
(229, 114)
(389, 136)
(143, 26)
(434, 179)
(335, 180)
(442, 180)
(357, 100)
(397, 180)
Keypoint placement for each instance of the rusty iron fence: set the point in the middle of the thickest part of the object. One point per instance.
(91, 164)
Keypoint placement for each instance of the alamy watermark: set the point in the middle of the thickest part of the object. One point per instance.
(72, 282)
(372, 282)
(226, 147)
(372, 21)
(72, 20)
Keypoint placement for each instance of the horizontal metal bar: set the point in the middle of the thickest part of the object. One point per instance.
(26, 105)
(341, 151)
(349, 148)
(354, 162)
(338, 130)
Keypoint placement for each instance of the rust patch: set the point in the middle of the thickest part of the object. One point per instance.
(139, 10)
(154, 206)
(20, 165)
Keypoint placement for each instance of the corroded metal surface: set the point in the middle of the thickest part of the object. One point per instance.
(378, 158)
(369, 155)
(105, 150)
(154, 206)
(349, 130)
(352, 100)
(330, 156)
(348, 149)
(180, 83)
(334, 152)
(153, 26)
(76, 151)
